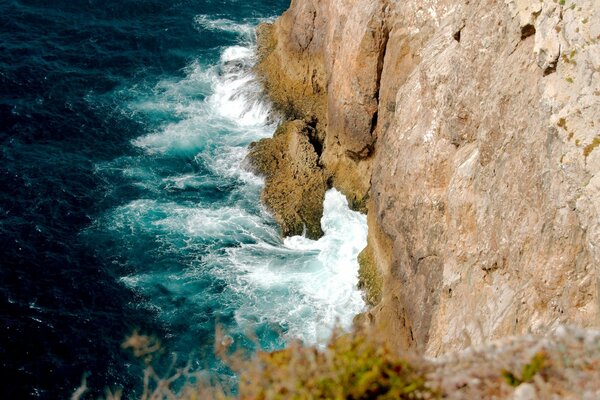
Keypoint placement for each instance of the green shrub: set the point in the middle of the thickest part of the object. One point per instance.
(529, 371)
(352, 367)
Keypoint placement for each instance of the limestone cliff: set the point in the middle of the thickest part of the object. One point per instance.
(469, 130)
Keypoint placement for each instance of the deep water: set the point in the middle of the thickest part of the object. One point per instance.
(125, 205)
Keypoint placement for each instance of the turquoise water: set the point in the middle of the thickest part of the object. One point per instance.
(127, 205)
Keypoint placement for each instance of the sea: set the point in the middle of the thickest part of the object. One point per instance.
(126, 204)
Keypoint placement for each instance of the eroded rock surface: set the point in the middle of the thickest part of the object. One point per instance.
(323, 60)
(295, 184)
(471, 130)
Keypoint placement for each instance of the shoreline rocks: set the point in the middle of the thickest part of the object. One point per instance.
(469, 133)
(295, 185)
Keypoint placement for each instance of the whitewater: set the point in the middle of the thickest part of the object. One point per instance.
(220, 258)
(126, 203)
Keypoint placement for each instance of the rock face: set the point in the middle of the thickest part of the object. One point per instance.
(312, 70)
(470, 132)
(295, 184)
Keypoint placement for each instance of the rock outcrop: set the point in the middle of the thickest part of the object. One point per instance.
(295, 184)
(561, 365)
(470, 133)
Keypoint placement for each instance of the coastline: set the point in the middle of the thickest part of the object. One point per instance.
(468, 230)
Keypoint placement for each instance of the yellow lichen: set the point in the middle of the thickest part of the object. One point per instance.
(587, 150)
(562, 123)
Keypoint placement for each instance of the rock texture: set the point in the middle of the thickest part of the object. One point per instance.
(470, 132)
(295, 184)
(312, 70)
(562, 365)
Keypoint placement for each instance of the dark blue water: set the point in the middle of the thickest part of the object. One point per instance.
(124, 204)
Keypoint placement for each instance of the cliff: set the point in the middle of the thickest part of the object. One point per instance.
(468, 131)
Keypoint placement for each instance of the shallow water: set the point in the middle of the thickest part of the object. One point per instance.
(124, 128)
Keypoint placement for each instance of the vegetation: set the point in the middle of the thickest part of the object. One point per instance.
(370, 279)
(359, 366)
(352, 366)
(537, 364)
(570, 58)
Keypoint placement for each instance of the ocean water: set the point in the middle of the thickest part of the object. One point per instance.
(125, 203)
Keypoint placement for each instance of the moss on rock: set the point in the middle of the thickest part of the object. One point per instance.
(369, 277)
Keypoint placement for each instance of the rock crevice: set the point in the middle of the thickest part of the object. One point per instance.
(295, 184)
(468, 131)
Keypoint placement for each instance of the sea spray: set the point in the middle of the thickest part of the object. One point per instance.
(117, 174)
(296, 288)
(308, 286)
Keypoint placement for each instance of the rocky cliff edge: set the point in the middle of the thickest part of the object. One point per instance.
(470, 133)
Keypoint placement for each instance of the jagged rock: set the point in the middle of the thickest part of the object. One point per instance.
(312, 71)
(566, 369)
(547, 41)
(480, 162)
(527, 12)
(293, 74)
(295, 184)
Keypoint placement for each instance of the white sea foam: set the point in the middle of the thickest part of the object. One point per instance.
(302, 286)
(233, 114)
(307, 286)
(209, 22)
(235, 53)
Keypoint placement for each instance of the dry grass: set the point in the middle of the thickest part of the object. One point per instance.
(563, 365)
(352, 367)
